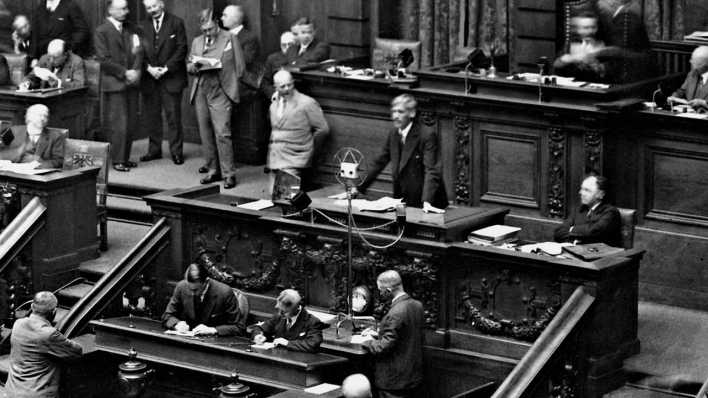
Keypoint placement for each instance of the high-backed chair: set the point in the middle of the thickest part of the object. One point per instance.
(17, 66)
(385, 49)
(84, 153)
(628, 219)
(94, 108)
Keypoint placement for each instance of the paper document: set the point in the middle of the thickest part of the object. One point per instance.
(552, 248)
(23, 168)
(257, 205)
(693, 115)
(206, 63)
(264, 346)
(188, 333)
(381, 205)
(359, 339)
(321, 388)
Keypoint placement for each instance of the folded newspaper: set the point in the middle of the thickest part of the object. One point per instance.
(380, 205)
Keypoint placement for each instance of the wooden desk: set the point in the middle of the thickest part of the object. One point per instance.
(278, 368)
(69, 234)
(67, 107)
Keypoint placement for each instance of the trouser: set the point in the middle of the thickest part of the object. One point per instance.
(213, 110)
(155, 102)
(120, 116)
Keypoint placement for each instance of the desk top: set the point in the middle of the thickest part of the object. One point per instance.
(11, 91)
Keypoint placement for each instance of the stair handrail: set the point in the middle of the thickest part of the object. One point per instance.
(522, 377)
(117, 279)
(21, 230)
(703, 393)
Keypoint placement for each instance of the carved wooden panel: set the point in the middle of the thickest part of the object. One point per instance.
(557, 165)
(463, 178)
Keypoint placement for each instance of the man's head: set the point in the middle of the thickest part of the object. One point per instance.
(196, 276)
(37, 116)
(56, 52)
(287, 40)
(403, 110)
(304, 28)
(699, 59)
(356, 386)
(154, 8)
(118, 9)
(21, 25)
(288, 302)
(207, 24)
(592, 190)
(44, 304)
(232, 16)
(389, 283)
(283, 83)
(585, 25)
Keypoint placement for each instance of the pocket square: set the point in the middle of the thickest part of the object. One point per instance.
(228, 46)
(60, 19)
(172, 36)
(301, 334)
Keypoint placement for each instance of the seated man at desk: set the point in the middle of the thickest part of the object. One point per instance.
(580, 61)
(694, 90)
(293, 327)
(204, 306)
(594, 221)
(309, 50)
(34, 143)
(58, 68)
(412, 151)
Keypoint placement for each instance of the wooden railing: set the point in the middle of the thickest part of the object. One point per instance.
(20, 231)
(117, 279)
(525, 376)
(703, 393)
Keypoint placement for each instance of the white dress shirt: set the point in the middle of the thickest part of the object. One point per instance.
(404, 132)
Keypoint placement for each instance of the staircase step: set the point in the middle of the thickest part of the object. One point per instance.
(95, 269)
(72, 294)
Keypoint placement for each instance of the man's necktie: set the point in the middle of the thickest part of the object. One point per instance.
(207, 43)
(288, 323)
(302, 50)
(280, 110)
(157, 25)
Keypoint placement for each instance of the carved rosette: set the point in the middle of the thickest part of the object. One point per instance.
(428, 118)
(592, 145)
(463, 179)
(556, 172)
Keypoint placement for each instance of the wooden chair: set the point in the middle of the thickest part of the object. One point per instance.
(83, 153)
(17, 67)
(628, 219)
(390, 48)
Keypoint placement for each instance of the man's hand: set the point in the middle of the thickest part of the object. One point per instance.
(204, 330)
(192, 69)
(280, 341)
(152, 70)
(131, 76)
(698, 104)
(33, 164)
(259, 339)
(369, 332)
(182, 327)
(428, 208)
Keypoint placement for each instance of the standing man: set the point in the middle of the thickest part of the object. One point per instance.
(310, 50)
(59, 19)
(275, 61)
(119, 51)
(164, 78)
(36, 349)
(217, 61)
(232, 19)
(397, 346)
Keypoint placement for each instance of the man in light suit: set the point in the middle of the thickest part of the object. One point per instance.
(120, 53)
(36, 351)
(164, 78)
(217, 61)
(694, 89)
(34, 143)
(412, 151)
(59, 19)
(59, 67)
(309, 50)
(397, 346)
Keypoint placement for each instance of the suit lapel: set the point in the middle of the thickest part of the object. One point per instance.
(188, 303)
(207, 305)
(409, 146)
(42, 143)
(163, 34)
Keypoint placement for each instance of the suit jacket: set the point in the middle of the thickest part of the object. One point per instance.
(35, 354)
(117, 53)
(4, 71)
(692, 87)
(602, 225)
(166, 48)
(253, 70)
(317, 51)
(72, 73)
(49, 150)
(219, 309)
(273, 63)
(398, 351)
(67, 22)
(304, 335)
(232, 63)
(295, 136)
(415, 167)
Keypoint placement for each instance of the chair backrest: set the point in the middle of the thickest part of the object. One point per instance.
(390, 48)
(84, 153)
(17, 66)
(64, 132)
(628, 219)
(570, 10)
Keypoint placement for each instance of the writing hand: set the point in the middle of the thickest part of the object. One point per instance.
(182, 327)
(280, 341)
(259, 339)
(369, 332)
(698, 103)
(204, 330)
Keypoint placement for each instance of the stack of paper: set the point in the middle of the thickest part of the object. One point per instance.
(495, 234)
(257, 205)
(320, 389)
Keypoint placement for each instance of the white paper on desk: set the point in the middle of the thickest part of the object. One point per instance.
(257, 205)
(381, 205)
(360, 77)
(552, 248)
(23, 168)
(693, 115)
(188, 333)
(320, 389)
(265, 346)
(359, 339)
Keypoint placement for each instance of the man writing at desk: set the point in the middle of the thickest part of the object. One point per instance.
(34, 143)
(204, 306)
(694, 90)
(58, 68)
(293, 327)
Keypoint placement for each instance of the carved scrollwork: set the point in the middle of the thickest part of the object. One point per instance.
(9, 204)
(565, 386)
(463, 179)
(556, 173)
(592, 144)
(428, 118)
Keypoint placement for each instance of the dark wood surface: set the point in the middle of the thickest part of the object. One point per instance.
(67, 107)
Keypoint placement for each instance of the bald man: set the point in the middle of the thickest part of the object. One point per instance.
(292, 328)
(36, 349)
(397, 346)
(694, 90)
(276, 61)
(22, 35)
(59, 67)
(356, 386)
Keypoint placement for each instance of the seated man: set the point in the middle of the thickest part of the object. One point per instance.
(694, 90)
(22, 35)
(293, 327)
(275, 61)
(309, 50)
(34, 143)
(204, 306)
(580, 61)
(594, 221)
(57, 68)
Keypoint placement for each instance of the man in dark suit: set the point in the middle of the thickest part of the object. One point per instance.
(412, 151)
(164, 78)
(22, 35)
(34, 143)
(694, 90)
(594, 221)
(217, 61)
(309, 50)
(274, 62)
(59, 67)
(232, 20)
(36, 349)
(293, 327)
(120, 53)
(204, 306)
(397, 346)
(59, 19)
